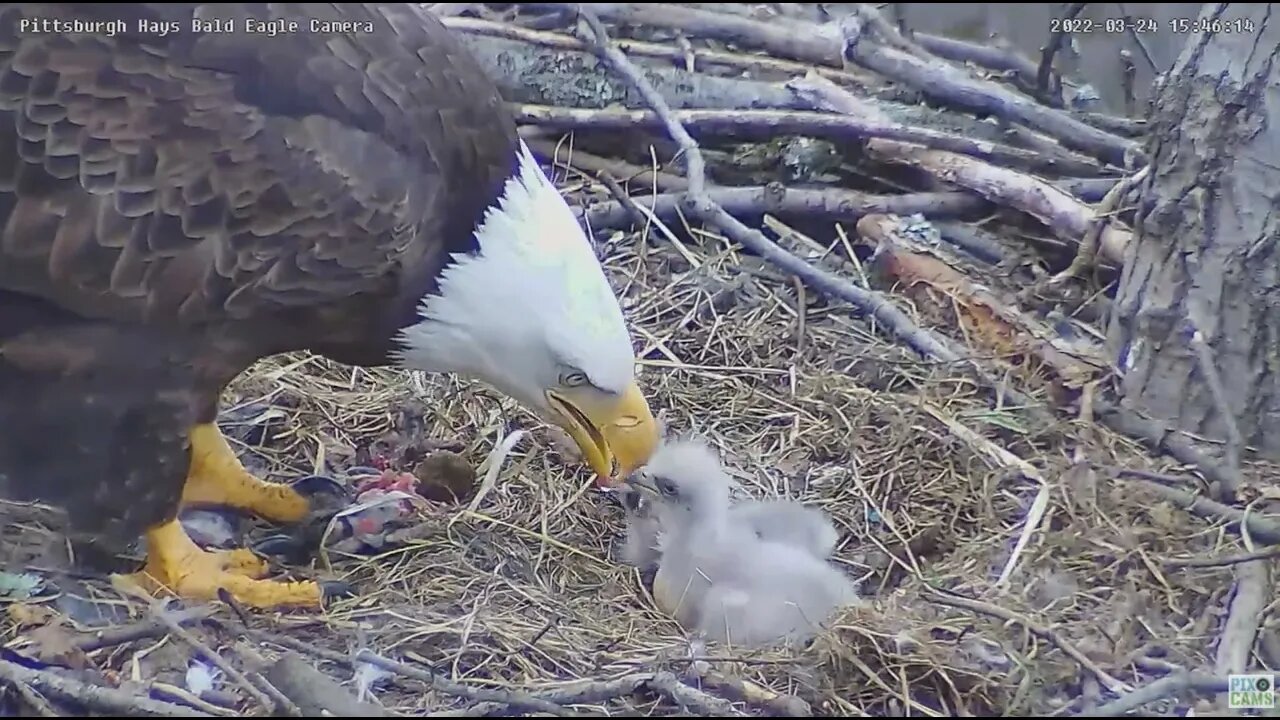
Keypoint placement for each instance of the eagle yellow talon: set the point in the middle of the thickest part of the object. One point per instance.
(217, 478)
(241, 562)
(177, 565)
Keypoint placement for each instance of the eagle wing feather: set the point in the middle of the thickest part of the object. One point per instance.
(174, 207)
(200, 177)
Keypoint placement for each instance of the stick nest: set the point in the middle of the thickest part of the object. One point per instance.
(805, 401)
(523, 592)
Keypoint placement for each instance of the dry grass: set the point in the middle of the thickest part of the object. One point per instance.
(523, 592)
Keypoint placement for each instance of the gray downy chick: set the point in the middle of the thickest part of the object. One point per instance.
(641, 547)
(717, 576)
(785, 521)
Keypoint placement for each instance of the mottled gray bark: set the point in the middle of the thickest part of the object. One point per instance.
(1207, 236)
(568, 78)
(530, 73)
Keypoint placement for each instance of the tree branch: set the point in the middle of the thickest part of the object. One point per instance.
(1259, 527)
(108, 700)
(990, 57)
(702, 206)
(1066, 216)
(1240, 631)
(782, 37)
(1045, 71)
(950, 85)
(315, 693)
(526, 73)
(769, 123)
(688, 57)
(829, 204)
(826, 45)
(1158, 690)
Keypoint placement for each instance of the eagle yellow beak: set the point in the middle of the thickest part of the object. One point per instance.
(615, 435)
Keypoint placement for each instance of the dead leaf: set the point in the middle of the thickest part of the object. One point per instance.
(54, 644)
(51, 641)
(30, 615)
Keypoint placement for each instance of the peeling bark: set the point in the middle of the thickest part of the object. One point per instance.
(1207, 235)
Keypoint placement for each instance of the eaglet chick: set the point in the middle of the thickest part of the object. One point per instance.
(717, 575)
(784, 521)
(640, 548)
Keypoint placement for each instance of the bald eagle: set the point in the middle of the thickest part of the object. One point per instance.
(186, 189)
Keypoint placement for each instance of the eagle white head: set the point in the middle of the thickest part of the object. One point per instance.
(532, 314)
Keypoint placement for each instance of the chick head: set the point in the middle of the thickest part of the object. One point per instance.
(685, 480)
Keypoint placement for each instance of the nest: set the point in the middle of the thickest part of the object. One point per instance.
(523, 591)
(1001, 576)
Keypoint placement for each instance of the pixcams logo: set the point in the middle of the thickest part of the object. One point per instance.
(1251, 691)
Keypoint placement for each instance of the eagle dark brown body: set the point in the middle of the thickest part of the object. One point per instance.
(174, 208)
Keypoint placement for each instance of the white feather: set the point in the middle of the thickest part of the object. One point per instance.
(201, 677)
(368, 675)
(531, 302)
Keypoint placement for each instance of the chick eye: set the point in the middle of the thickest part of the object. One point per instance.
(573, 379)
(665, 486)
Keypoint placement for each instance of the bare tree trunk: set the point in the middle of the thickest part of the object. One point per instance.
(1207, 241)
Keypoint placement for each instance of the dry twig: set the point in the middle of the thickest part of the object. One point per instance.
(315, 693)
(1045, 71)
(702, 206)
(1253, 578)
(513, 699)
(951, 85)
(144, 630)
(1253, 593)
(1206, 562)
(1162, 688)
(827, 204)
(691, 699)
(161, 613)
(1088, 248)
(697, 56)
(33, 698)
(764, 123)
(782, 38)
(107, 700)
(1036, 628)
(1058, 210)
(1259, 528)
(1160, 439)
(1219, 394)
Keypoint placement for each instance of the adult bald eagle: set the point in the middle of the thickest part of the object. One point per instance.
(182, 194)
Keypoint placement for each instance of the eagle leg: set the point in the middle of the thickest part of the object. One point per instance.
(175, 563)
(216, 477)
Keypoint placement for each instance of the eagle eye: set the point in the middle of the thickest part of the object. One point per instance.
(573, 379)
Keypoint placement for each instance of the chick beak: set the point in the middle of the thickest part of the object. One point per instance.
(641, 483)
(615, 435)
